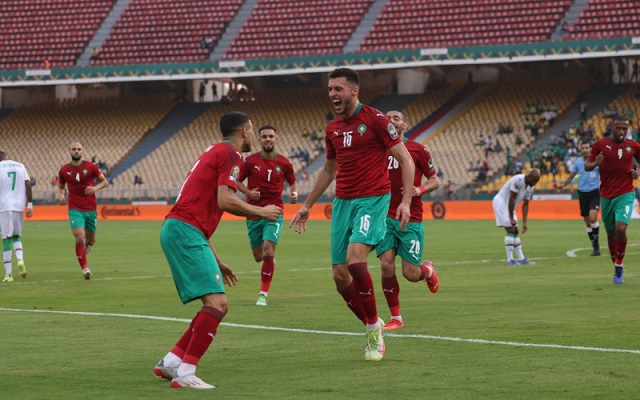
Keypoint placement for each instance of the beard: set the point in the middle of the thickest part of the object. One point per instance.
(245, 148)
(76, 158)
(268, 149)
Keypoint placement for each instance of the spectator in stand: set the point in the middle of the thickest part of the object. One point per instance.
(549, 116)
(634, 73)
(203, 90)
(498, 147)
(137, 180)
(483, 172)
(535, 129)
(622, 71)
(610, 72)
(95, 53)
(529, 122)
(583, 110)
(508, 127)
(566, 27)
(329, 117)
(487, 146)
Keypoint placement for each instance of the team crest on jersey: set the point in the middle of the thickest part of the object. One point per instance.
(84, 172)
(362, 129)
(235, 173)
(278, 169)
(628, 148)
(392, 131)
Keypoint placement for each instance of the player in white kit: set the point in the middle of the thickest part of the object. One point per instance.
(516, 190)
(15, 194)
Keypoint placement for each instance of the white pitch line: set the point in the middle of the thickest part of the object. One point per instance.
(569, 253)
(572, 252)
(299, 330)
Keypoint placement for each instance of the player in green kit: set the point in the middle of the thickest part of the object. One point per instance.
(615, 156)
(80, 177)
(357, 141)
(407, 243)
(266, 172)
(208, 190)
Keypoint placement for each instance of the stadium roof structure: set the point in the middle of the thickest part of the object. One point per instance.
(495, 54)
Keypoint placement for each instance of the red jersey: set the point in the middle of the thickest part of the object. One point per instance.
(424, 166)
(359, 145)
(197, 202)
(615, 169)
(77, 179)
(268, 176)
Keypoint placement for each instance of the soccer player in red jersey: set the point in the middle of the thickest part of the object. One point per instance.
(614, 155)
(208, 190)
(357, 141)
(407, 244)
(80, 176)
(266, 172)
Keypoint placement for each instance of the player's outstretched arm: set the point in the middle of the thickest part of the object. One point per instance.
(229, 202)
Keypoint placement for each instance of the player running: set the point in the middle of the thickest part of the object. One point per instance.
(266, 171)
(615, 155)
(407, 243)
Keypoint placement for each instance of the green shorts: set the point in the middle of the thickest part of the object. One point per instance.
(83, 219)
(618, 209)
(194, 267)
(359, 220)
(408, 243)
(260, 230)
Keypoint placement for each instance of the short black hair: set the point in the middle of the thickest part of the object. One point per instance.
(265, 127)
(620, 118)
(343, 72)
(232, 121)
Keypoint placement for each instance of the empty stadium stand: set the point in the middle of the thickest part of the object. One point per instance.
(163, 31)
(290, 111)
(108, 129)
(282, 28)
(56, 30)
(607, 18)
(408, 24)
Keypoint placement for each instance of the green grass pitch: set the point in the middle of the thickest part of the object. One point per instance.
(557, 330)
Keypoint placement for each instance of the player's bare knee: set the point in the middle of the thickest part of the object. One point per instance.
(411, 276)
(388, 270)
